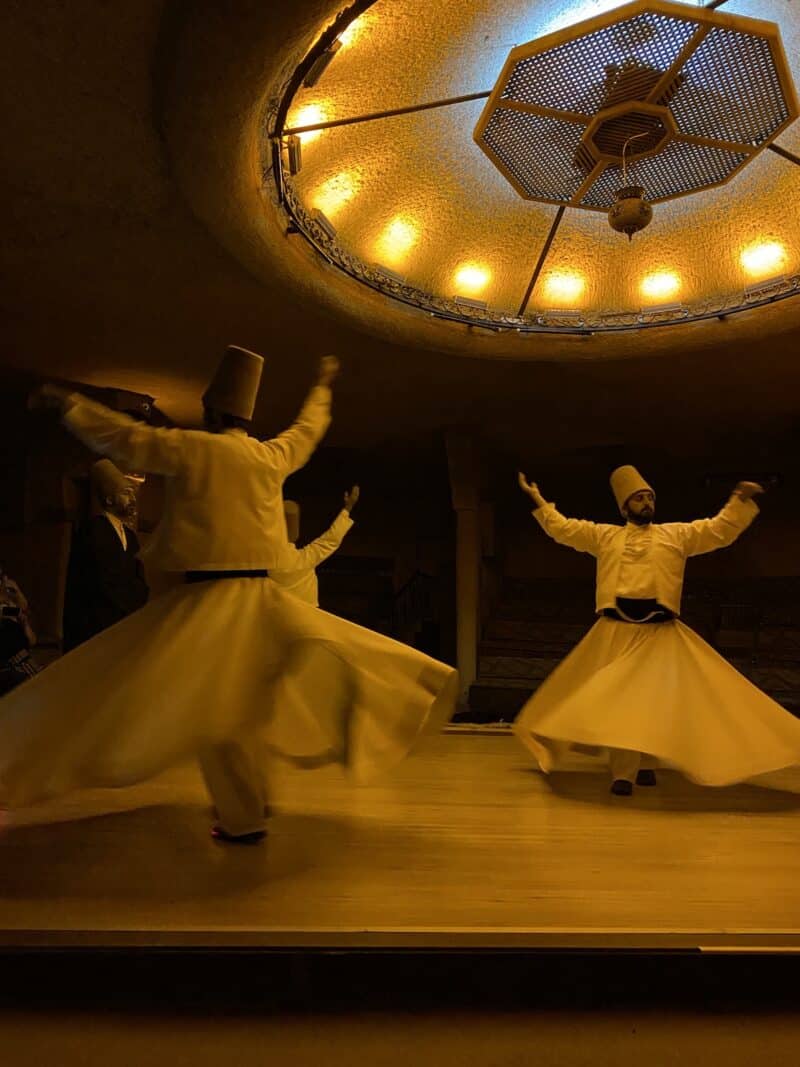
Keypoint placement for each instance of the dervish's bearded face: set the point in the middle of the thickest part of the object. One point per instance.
(122, 504)
(641, 507)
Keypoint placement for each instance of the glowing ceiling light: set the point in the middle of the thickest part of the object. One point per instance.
(309, 115)
(764, 259)
(397, 240)
(471, 278)
(564, 286)
(351, 34)
(660, 286)
(336, 192)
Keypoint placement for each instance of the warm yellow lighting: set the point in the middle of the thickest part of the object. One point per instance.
(336, 193)
(353, 32)
(471, 278)
(661, 285)
(564, 287)
(764, 259)
(396, 241)
(309, 115)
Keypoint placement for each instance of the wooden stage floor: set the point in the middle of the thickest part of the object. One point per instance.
(465, 847)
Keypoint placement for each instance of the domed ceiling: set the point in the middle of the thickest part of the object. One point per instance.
(462, 158)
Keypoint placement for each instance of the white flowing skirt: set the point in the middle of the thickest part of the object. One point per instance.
(213, 662)
(658, 689)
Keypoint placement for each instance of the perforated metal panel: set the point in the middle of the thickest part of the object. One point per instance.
(665, 174)
(540, 151)
(731, 90)
(580, 75)
(717, 87)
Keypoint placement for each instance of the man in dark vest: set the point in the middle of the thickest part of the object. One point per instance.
(105, 577)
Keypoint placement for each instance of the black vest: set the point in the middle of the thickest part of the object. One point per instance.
(105, 582)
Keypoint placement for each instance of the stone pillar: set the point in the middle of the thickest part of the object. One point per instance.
(464, 487)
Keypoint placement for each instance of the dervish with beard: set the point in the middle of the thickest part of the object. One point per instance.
(642, 688)
(105, 577)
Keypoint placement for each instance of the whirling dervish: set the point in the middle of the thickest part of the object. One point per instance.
(642, 688)
(226, 664)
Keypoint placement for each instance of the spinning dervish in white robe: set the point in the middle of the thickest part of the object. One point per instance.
(226, 664)
(642, 688)
(297, 570)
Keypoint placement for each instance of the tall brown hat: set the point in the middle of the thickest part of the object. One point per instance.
(291, 510)
(234, 387)
(625, 481)
(107, 480)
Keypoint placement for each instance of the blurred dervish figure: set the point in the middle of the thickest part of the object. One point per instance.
(225, 665)
(105, 577)
(297, 569)
(642, 689)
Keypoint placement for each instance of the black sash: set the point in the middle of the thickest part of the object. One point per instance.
(215, 576)
(638, 611)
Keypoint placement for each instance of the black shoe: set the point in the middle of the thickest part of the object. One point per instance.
(621, 787)
(238, 839)
(646, 778)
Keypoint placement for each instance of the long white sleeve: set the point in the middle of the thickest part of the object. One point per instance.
(707, 535)
(134, 444)
(293, 448)
(580, 534)
(310, 557)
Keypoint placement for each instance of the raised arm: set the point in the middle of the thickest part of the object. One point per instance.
(293, 448)
(707, 535)
(133, 444)
(297, 559)
(580, 534)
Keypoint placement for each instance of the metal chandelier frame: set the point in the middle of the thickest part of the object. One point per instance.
(300, 222)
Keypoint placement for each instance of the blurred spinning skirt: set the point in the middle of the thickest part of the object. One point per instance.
(212, 662)
(661, 690)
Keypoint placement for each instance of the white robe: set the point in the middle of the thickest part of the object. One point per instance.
(656, 688)
(221, 663)
(297, 570)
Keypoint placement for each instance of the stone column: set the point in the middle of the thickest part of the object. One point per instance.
(462, 461)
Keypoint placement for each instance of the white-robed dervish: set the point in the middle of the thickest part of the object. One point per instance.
(641, 687)
(225, 664)
(296, 571)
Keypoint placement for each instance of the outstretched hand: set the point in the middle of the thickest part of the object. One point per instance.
(48, 397)
(531, 488)
(746, 490)
(329, 367)
(351, 498)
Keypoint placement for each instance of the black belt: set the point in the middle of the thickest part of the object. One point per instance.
(638, 611)
(215, 576)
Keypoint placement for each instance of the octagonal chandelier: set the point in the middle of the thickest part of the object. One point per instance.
(682, 97)
(652, 101)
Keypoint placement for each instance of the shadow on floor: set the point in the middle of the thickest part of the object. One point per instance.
(673, 793)
(161, 851)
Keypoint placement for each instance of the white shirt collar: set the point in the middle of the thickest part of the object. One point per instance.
(119, 526)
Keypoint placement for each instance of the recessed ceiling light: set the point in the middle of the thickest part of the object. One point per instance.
(397, 240)
(471, 278)
(567, 287)
(310, 115)
(336, 192)
(660, 285)
(763, 259)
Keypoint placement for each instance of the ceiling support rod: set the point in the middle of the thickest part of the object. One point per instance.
(386, 114)
(776, 148)
(540, 262)
(714, 4)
